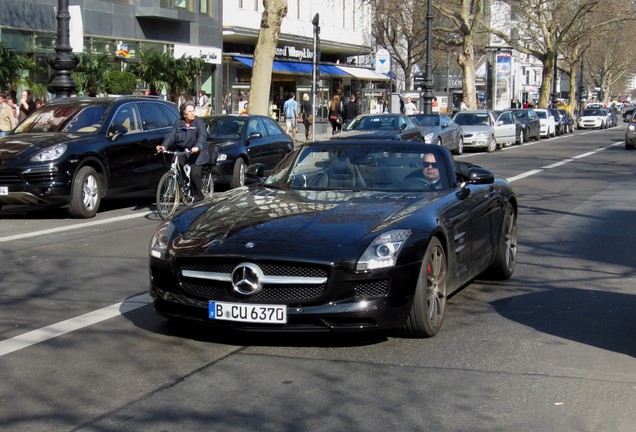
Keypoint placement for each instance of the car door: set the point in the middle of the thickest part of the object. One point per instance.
(505, 128)
(534, 124)
(261, 146)
(281, 142)
(128, 151)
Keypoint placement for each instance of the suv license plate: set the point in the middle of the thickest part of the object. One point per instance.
(261, 313)
(4, 190)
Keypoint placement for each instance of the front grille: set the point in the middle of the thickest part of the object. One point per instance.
(372, 289)
(222, 290)
(9, 178)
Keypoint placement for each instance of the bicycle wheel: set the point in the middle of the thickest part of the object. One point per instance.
(207, 183)
(167, 196)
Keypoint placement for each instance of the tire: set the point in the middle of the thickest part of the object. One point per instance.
(168, 195)
(526, 135)
(460, 147)
(429, 302)
(522, 137)
(493, 145)
(505, 259)
(207, 183)
(238, 177)
(86, 194)
(537, 137)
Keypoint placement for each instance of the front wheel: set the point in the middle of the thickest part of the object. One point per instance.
(493, 145)
(85, 195)
(429, 302)
(521, 137)
(460, 147)
(238, 176)
(503, 264)
(167, 196)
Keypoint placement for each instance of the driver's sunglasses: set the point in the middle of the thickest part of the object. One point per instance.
(430, 164)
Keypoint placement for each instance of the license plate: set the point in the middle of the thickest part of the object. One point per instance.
(4, 190)
(261, 313)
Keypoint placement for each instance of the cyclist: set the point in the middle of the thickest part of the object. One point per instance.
(188, 132)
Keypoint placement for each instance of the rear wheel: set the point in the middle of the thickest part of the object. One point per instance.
(207, 183)
(85, 196)
(522, 136)
(167, 196)
(429, 302)
(506, 255)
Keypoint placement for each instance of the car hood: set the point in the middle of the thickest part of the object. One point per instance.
(26, 144)
(368, 134)
(266, 217)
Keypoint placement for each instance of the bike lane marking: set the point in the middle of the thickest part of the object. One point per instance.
(43, 334)
(71, 227)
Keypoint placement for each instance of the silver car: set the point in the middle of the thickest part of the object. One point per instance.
(630, 134)
(483, 131)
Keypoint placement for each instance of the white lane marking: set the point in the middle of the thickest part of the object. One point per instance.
(560, 163)
(71, 227)
(58, 329)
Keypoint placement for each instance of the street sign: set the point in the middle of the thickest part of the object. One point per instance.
(382, 61)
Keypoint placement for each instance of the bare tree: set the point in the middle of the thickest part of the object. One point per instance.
(273, 14)
(401, 29)
(461, 28)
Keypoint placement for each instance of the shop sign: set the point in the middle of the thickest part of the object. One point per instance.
(207, 54)
(293, 52)
(122, 50)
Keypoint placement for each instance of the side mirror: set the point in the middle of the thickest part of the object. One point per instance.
(479, 175)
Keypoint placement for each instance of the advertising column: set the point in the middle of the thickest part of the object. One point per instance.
(502, 83)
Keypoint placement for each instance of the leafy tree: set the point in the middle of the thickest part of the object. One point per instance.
(89, 73)
(119, 82)
(12, 66)
(273, 14)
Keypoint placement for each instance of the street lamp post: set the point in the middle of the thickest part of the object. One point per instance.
(316, 72)
(555, 96)
(64, 60)
(428, 80)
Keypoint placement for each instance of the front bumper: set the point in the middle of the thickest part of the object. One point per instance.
(477, 142)
(39, 185)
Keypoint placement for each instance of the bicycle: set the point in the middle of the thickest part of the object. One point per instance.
(174, 186)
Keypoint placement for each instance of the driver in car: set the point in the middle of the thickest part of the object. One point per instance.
(430, 170)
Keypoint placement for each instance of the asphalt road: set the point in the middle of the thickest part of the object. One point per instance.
(552, 349)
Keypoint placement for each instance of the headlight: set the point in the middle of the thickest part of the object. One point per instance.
(221, 157)
(49, 154)
(383, 251)
(161, 239)
(631, 127)
(428, 138)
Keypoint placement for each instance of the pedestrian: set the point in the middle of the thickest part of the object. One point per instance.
(8, 121)
(189, 132)
(351, 111)
(308, 117)
(13, 103)
(227, 103)
(203, 99)
(335, 115)
(27, 105)
(435, 105)
(386, 106)
(464, 105)
(290, 108)
(409, 107)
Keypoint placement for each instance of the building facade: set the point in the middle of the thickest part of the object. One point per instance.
(345, 61)
(121, 27)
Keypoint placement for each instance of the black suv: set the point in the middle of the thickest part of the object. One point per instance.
(73, 152)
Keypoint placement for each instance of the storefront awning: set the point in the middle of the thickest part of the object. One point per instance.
(281, 66)
(363, 73)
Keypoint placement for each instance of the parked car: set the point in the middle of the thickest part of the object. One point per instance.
(440, 129)
(345, 235)
(74, 152)
(243, 140)
(547, 124)
(567, 120)
(627, 112)
(559, 121)
(630, 133)
(481, 130)
(382, 126)
(530, 121)
(506, 119)
(595, 118)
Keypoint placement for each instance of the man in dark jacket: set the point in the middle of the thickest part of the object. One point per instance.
(351, 110)
(188, 132)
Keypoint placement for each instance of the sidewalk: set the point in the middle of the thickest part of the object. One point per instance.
(323, 132)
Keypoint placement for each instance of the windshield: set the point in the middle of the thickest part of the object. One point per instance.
(66, 118)
(362, 167)
(542, 114)
(426, 119)
(379, 122)
(593, 112)
(472, 119)
(225, 127)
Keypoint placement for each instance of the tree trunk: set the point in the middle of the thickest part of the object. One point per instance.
(467, 61)
(546, 79)
(275, 11)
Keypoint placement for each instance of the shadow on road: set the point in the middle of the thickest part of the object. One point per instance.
(601, 319)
